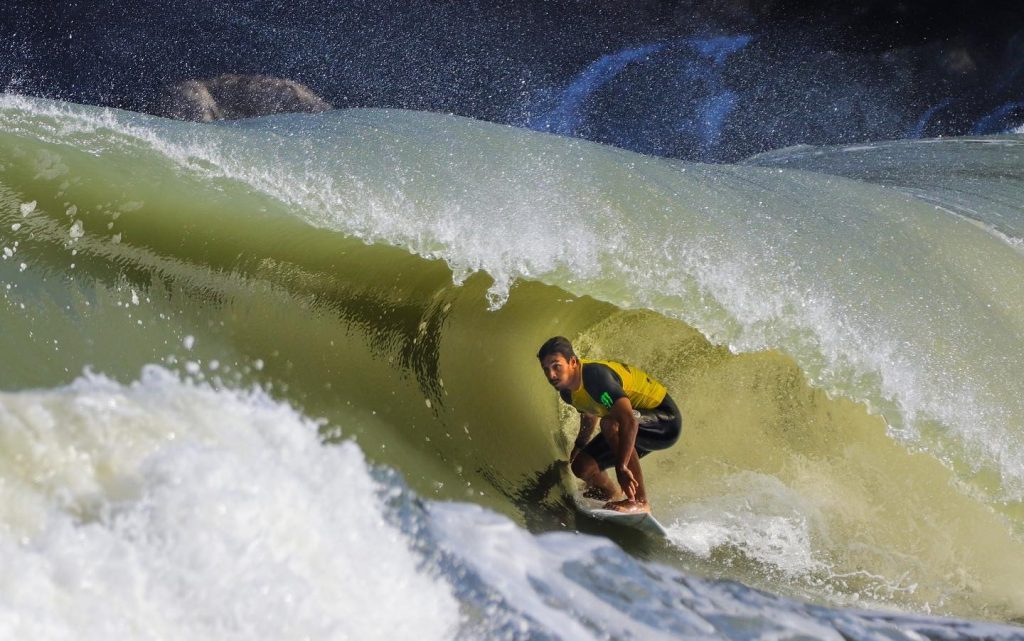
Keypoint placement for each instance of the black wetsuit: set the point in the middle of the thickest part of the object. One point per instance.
(659, 421)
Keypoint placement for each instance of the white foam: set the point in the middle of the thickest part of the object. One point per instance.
(562, 583)
(170, 510)
(758, 517)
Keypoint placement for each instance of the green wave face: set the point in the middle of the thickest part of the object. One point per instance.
(846, 355)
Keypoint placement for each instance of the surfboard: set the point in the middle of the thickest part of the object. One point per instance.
(643, 521)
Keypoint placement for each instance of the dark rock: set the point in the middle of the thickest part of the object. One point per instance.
(233, 96)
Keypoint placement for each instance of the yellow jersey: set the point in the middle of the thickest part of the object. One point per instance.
(605, 382)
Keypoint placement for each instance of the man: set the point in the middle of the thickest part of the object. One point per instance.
(635, 413)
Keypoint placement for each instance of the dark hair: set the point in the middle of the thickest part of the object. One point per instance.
(556, 345)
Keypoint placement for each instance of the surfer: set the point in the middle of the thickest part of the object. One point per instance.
(635, 413)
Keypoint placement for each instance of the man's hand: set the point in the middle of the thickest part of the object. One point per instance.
(627, 482)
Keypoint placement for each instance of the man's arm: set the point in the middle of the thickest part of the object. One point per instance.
(587, 424)
(622, 413)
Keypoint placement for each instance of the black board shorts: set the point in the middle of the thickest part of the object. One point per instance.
(657, 429)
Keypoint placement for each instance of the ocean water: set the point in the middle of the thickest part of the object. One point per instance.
(275, 379)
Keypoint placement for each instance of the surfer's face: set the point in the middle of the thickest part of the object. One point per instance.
(560, 372)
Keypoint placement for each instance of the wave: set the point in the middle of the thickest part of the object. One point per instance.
(393, 272)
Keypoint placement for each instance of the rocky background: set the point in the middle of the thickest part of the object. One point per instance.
(712, 80)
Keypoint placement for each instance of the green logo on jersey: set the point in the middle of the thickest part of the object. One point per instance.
(606, 399)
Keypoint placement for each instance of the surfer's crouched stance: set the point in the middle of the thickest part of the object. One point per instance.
(635, 412)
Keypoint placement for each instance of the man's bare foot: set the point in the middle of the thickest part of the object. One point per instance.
(594, 492)
(628, 506)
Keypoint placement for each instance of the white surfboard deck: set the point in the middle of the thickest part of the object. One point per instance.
(643, 521)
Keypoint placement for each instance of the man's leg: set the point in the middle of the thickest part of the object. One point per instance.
(599, 485)
(610, 431)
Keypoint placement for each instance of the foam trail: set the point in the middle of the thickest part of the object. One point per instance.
(759, 517)
(573, 587)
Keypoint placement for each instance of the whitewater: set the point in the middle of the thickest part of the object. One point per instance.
(275, 379)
